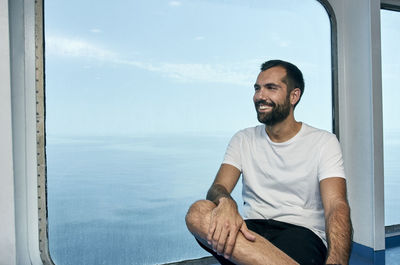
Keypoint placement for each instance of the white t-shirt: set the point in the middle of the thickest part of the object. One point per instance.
(281, 180)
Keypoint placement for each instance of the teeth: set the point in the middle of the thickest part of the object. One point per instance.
(264, 107)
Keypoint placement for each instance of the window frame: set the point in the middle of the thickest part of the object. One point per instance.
(391, 5)
(40, 134)
(41, 115)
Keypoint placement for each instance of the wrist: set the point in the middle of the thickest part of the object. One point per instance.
(225, 200)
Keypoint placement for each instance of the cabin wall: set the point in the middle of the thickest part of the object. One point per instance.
(360, 112)
(23, 102)
(7, 218)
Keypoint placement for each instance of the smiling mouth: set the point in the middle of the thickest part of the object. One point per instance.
(264, 106)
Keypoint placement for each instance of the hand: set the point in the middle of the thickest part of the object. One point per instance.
(225, 224)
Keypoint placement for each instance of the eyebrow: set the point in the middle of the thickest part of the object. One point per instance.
(267, 85)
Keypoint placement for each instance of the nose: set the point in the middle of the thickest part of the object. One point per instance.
(260, 94)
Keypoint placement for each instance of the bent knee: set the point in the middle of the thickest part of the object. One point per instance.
(198, 214)
(199, 209)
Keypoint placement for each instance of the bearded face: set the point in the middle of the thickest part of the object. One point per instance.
(278, 113)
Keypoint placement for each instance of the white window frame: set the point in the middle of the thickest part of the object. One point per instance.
(393, 5)
(41, 133)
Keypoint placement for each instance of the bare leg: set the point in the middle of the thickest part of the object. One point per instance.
(245, 252)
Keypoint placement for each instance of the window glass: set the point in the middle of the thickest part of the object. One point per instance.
(390, 23)
(142, 98)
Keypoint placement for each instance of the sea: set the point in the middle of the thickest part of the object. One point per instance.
(119, 200)
(123, 200)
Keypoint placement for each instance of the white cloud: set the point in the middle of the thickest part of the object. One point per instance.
(237, 73)
(175, 3)
(199, 38)
(96, 30)
(76, 48)
(218, 73)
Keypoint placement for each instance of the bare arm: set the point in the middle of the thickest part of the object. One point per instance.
(224, 183)
(226, 221)
(337, 218)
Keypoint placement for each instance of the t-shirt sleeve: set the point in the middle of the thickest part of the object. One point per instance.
(233, 153)
(331, 160)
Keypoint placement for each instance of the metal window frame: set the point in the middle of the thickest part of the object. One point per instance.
(41, 134)
(334, 65)
(41, 114)
(392, 5)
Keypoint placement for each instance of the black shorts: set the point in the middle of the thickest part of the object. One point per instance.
(300, 243)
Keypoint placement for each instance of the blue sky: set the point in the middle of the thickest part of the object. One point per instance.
(143, 67)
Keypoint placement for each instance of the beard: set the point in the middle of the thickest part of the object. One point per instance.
(278, 113)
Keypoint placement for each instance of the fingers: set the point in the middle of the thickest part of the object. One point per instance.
(214, 232)
(211, 230)
(231, 240)
(247, 233)
(222, 237)
(223, 230)
(221, 241)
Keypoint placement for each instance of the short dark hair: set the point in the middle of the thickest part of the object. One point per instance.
(294, 77)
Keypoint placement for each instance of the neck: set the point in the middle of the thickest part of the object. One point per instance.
(283, 131)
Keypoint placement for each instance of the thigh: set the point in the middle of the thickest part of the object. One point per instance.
(300, 243)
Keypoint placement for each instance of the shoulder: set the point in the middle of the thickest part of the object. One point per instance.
(247, 135)
(318, 135)
(250, 132)
(329, 149)
(321, 140)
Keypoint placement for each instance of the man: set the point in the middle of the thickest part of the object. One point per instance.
(294, 187)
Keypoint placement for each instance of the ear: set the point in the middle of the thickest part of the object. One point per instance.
(295, 95)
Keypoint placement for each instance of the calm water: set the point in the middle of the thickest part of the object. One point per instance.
(122, 200)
